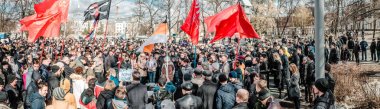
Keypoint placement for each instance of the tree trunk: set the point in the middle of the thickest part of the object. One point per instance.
(337, 18)
(374, 28)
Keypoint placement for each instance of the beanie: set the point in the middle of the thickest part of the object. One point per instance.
(322, 85)
(59, 93)
(233, 74)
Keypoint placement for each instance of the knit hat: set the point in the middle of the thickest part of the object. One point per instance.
(233, 74)
(187, 77)
(322, 84)
(263, 94)
(59, 93)
(3, 96)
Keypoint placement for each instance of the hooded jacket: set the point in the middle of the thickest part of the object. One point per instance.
(69, 97)
(37, 101)
(225, 97)
(104, 99)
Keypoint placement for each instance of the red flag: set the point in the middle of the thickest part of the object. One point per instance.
(25, 22)
(48, 7)
(191, 24)
(235, 23)
(245, 28)
(39, 27)
(216, 19)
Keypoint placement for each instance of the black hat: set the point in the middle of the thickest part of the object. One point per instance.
(11, 78)
(322, 84)
(222, 78)
(54, 68)
(187, 77)
(187, 86)
(263, 94)
(3, 96)
(207, 73)
(198, 71)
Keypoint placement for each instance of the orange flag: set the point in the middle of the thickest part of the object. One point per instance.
(162, 29)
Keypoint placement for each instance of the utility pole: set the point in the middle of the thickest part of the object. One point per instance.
(319, 39)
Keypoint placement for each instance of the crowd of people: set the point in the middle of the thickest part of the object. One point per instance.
(97, 74)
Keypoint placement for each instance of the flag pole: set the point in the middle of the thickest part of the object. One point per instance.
(195, 56)
(105, 33)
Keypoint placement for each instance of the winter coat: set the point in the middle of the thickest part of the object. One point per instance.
(178, 94)
(79, 84)
(14, 94)
(225, 97)
(67, 70)
(207, 93)
(32, 88)
(119, 104)
(351, 44)
(110, 62)
(363, 45)
(225, 68)
(326, 101)
(294, 88)
(57, 104)
(137, 95)
(372, 47)
(238, 85)
(37, 101)
(378, 46)
(334, 56)
(104, 99)
(189, 102)
(356, 49)
(310, 70)
(44, 73)
(243, 105)
(69, 97)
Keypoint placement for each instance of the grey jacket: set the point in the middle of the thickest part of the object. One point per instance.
(294, 88)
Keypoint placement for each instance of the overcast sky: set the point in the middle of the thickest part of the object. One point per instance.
(77, 8)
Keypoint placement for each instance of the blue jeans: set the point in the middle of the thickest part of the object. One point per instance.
(152, 77)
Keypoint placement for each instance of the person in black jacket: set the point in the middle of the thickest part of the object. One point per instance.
(188, 101)
(325, 98)
(333, 55)
(310, 77)
(372, 48)
(356, 52)
(13, 93)
(106, 96)
(32, 88)
(378, 49)
(351, 45)
(363, 48)
(277, 71)
(137, 93)
(207, 91)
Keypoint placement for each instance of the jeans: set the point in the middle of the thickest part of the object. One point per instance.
(297, 103)
(351, 55)
(378, 55)
(364, 55)
(152, 76)
(373, 55)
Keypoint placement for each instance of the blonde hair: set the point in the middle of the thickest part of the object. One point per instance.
(277, 57)
(293, 68)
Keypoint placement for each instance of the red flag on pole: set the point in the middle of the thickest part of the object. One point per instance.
(216, 19)
(39, 27)
(235, 23)
(48, 7)
(191, 24)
